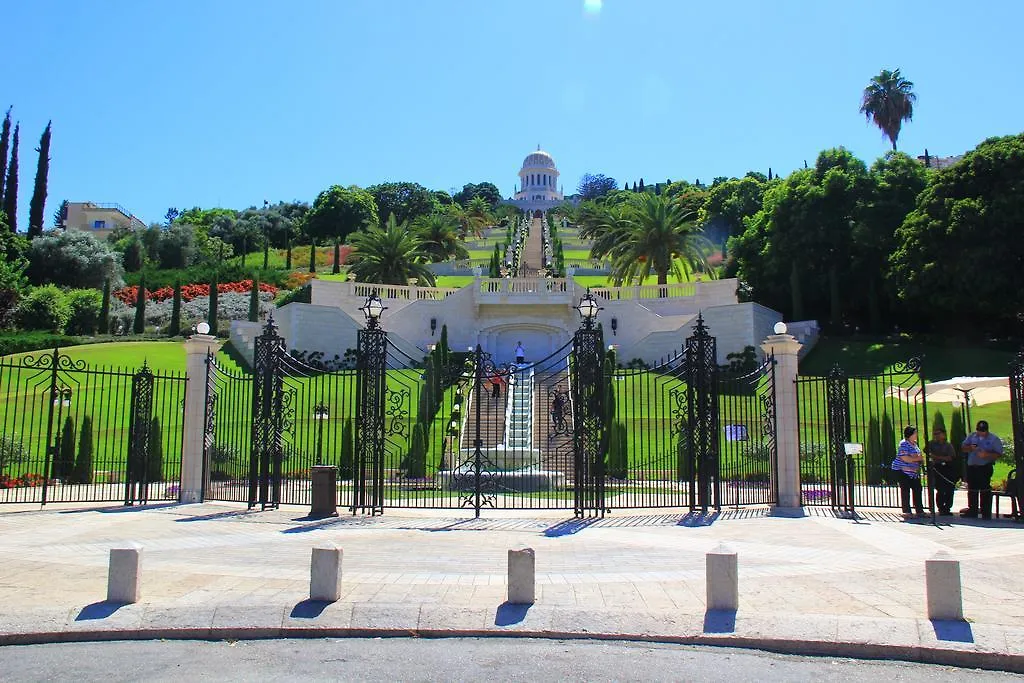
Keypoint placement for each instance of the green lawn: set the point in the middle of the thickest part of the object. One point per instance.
(604, 281)
(955, 359)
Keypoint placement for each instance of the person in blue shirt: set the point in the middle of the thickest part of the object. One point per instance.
(907, 465)
(983, 448)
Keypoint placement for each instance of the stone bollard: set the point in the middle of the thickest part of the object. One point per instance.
(942, 586)
(124, 575)
(522, 566)
(325, 573)
(723, 585)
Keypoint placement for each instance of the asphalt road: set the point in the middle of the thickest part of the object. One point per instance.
(455, 659)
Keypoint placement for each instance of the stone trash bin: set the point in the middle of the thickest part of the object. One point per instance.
(325, 491)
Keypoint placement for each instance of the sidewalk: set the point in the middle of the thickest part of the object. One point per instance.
(813, 584)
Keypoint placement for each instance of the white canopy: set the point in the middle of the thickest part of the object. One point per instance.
(978, 391)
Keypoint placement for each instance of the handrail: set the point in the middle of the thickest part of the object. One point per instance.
(523, 286)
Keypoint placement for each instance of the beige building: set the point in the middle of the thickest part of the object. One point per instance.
(99, 219)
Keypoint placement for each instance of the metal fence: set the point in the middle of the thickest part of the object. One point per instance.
(74, 433)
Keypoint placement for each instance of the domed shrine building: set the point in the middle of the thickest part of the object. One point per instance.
(538, 188)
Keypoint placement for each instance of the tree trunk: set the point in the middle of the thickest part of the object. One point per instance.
(288, 255)
(337, 256)
(312, 256)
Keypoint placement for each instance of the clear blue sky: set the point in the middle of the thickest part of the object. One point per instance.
(230, 102)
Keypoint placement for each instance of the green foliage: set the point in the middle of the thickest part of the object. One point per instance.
(957, 428)
(103, 320)
(338, 212)
(347, 452)
(174, 327)
(617, 464)
(37, 205)
(33, 340)
(391, 256)
(728, 205)
(84, 306)
(439, 237)
(487, 191)
(416, 460)
(875, 461)
(10, 204)
(211, 316)
(44, 308)
(64, 460)
(155, 462)
(72, 259)
(12, 452)
(404, 201)
(889, 444)
(939, 422)
(302, 295)
(83, 463)
(139, 325)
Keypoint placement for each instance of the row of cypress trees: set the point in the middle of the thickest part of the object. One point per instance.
(174, 327)
(77, 468)
(9, 177)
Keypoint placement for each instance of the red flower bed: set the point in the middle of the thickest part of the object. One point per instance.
(129, 295)
(31, 479)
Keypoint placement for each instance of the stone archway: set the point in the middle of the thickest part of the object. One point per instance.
(540, 340)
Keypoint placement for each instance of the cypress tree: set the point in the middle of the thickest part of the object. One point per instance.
(61, 215)
(155, 464)
(105, 308)
(83, 465)
(888, 447)
(873, 459)
(288, 254)
(5, 148)
(312, 255)
(641, 185)
(957, 428)
(139, 325)
(416, 462)
(64, 462)
(254, 301)
(347, 453)
(37, 205)
(939, 422)
(211, 316)
(175, 326)
(11, 188)
(769, 173)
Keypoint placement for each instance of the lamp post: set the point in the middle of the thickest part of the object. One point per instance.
(588, 410)
(321, 413)
(61, 397)
(372, 348)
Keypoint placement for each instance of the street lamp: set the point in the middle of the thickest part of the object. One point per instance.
(320, 414)
(588, 308)
(372, 310)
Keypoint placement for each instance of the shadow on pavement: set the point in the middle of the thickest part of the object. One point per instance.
(217, 515)
(309, 609)
(120, 507)
(318, 523)
(99, 610)
(510, 613)
(698, 519)
(569, 527)
(956, 631)
(720, 621)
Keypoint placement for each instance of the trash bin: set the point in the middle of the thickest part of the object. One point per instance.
(325, 491)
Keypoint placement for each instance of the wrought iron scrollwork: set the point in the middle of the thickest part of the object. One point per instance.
(702, 411)
(136, 482)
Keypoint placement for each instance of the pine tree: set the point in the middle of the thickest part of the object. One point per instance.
(874, 462)
(211, 316)
(60, 216)
(64, 461)
(105, 308)
(175, 327)
(416, 461)
(155, 463)
(254, 302)
(5, 148)
(139, 325)
(11, 188)
(37, 206)
(347, 452)
(83, 464)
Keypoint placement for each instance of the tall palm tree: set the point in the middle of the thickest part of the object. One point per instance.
(651, 234)
(439, 235)
(889, 101)
(389, 256)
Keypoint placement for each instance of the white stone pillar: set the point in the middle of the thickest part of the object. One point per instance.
(124, 575)
(522, 566)
(722, 579)
(786, 349)
(192, 474)
(325, 573)
(943, 589)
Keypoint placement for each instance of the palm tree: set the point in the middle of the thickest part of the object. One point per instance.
(439, 234)
(389, 256)
(889, 101)
(650, 234)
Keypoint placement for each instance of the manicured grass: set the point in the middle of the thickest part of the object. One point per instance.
(954, 359)
(604, 281)
(454, 281)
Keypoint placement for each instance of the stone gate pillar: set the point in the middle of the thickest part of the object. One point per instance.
(196, 348)
(786, 349)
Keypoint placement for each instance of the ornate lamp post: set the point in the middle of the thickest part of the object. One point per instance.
(61, 396)
(588, 391)
(372, 347)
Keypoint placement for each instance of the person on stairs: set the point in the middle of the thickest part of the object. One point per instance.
(520, 353)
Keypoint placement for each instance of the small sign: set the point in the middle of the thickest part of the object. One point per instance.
(735, 432)
(854, 448)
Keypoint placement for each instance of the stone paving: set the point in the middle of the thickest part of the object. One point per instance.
(224, 562)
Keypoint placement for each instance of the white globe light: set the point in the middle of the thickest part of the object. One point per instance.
(203, 328)
(780, 327)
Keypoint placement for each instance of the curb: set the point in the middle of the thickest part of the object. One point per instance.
(994, 661)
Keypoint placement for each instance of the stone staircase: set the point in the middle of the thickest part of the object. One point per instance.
(519, 413)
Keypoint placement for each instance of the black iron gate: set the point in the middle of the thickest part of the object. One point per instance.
(70, 432)
(850, 427)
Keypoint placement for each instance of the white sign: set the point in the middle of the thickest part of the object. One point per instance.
(854, 448)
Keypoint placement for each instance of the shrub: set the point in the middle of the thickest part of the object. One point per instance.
(72, 259)
(416, 460)
(83, 464)
(617, 466)
(347, 454)
(12, 452)
(302, 295)
(64, 462)
(155, 463)
(21, 342)
(84, 306)
(44, 308)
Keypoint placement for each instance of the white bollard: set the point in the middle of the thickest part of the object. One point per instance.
(723, 585)
(325, 573)
(124, 575)
(943, 589)
(522, 566)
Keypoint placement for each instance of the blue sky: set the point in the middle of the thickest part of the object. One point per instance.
(230, 102)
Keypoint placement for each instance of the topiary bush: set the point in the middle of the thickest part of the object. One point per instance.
(83, 464)
(44, 308)
(84, 306)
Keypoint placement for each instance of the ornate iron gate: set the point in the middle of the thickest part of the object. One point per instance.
(70, 432)
(849, 429)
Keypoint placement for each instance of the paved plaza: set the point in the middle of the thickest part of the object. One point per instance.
(814, 579)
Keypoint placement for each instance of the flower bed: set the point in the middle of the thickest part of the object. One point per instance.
(30, 480)
(129, 295)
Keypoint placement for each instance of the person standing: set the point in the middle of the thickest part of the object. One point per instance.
(907, 465)
(520, 353)
(983, 448)
(943, 471)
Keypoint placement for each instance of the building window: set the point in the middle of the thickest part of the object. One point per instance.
(99, 225)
